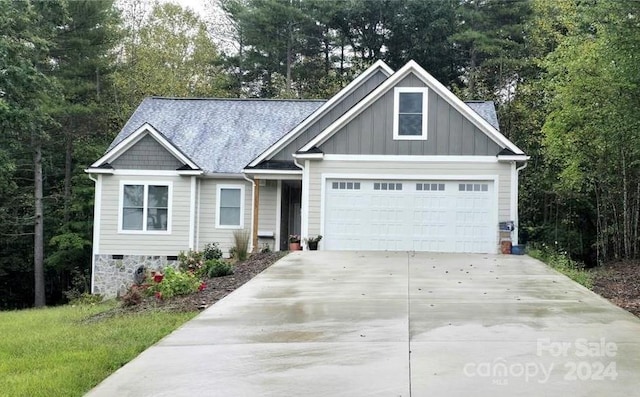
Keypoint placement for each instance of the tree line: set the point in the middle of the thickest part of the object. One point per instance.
(564, 76)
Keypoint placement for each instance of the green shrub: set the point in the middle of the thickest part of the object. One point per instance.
(561, 262)
(190, 260)
(212, 251)
(218, 268)
(174, 283)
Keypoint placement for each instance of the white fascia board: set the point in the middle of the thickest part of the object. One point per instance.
(274, 174)
(416, 177)
(190, 172)
(99, 170)
(309, 156)
(431, 83)
(513, 158)
(322, 110)
(409, 158)
(134, 137)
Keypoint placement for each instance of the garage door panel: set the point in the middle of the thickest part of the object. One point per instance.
(438, 216)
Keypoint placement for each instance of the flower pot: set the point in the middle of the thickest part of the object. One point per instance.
(505, 246)
(294, 246)
(313, 245)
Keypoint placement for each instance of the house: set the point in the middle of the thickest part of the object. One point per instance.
(394, 161)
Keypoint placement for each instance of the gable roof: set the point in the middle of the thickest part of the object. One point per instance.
(217, 135)
(324, 109)
(125, 144)
(412, 67)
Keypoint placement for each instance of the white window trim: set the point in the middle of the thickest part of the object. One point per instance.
(396, 113)
(242, 201)
(145, 208)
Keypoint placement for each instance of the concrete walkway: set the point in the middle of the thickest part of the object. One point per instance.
(396, 324)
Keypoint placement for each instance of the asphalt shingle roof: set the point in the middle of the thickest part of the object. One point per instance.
(220, 135)
(486, 110)
(224, 135)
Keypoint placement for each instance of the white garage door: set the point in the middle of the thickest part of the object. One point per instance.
(437, 216)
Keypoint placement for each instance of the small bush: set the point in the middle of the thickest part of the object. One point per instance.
(133, 297)
(265, 248)
(174, 283)
(218, 268)
(241, 239)
(212, 251)
(190, 261)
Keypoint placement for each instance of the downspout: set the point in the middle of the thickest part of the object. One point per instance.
(303, 219)
(516, 220)
(93, 255)
(253, 189)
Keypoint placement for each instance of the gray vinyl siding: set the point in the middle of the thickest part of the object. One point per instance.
(147, 154)
(113, 242)
(207, 196)
(418, 169)
(338, 110)
(448, 131)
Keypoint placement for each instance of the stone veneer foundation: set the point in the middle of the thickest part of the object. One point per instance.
(113, 277)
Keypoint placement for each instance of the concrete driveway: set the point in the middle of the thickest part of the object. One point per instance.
(396, 324)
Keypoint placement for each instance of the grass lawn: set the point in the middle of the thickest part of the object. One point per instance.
(55, 352)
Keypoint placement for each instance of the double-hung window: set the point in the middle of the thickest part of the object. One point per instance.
(145, 207)
(230, 208)
(410, 113)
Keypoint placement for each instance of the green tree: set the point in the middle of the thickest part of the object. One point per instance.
(27, 95)
(170, 54)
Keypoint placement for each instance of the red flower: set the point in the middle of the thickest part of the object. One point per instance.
(202, 286)
(158, 295)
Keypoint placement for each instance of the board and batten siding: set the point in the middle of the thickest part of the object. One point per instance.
(207, 198)
(147, 154)
(416, 170)
(338, 110)
(114, 243)
(448, 131)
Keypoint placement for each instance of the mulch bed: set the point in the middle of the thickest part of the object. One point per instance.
(219, 287)
(620, 283)
(216, 289)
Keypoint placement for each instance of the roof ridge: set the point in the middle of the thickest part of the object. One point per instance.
(236, 99)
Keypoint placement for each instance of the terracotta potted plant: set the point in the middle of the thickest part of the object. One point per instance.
(312, 242)
(294, 242)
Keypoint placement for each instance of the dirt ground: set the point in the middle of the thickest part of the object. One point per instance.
(620, 283)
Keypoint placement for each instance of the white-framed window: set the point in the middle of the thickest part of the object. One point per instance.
(410, 113)
(145, 207)
(230, 207)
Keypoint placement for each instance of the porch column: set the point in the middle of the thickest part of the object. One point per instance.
(256, 208)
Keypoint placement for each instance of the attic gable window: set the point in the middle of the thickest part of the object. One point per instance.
(410, 113)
